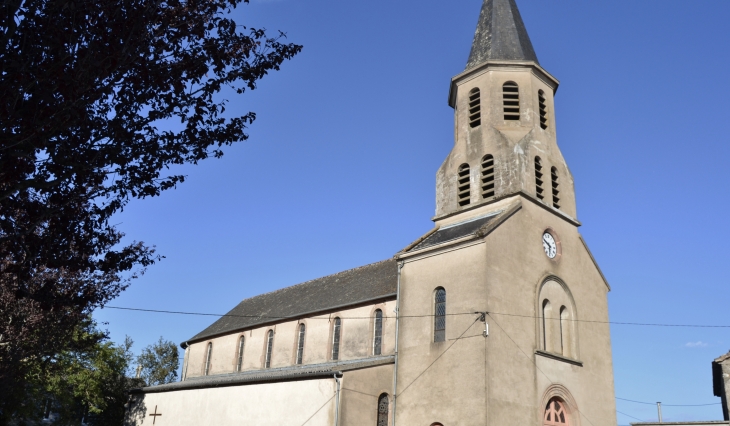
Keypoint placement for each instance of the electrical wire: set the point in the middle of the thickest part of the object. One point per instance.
(318, 409)
(669, 405)
(534, 363)
(438, 357)
(419, 316)
(628, 415)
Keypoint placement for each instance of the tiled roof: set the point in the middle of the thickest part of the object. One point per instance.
(500, 35)
(455, 231)
(366, 283)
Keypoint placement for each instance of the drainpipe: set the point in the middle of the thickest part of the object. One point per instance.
(397, 323)
(337, 400)
(185, 362)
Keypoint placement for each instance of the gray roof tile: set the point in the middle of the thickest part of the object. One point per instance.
(500, 35)
(347, 288)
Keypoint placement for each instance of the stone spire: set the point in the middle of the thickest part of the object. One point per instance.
(500, 35)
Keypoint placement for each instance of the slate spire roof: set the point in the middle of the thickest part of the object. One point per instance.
(500, 35)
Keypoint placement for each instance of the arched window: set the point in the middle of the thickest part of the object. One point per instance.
(383, 410)
(239, 361)
(464, 184)
(558, 334)
(378, 332)
(439, 318)
(556, 414)
(538, 179)
(336, 329)
(488, 176)
(300, 343)
(475, 113)
(556, 190)
(565, 331)
(208, 356)
(269, 348)
(546, 314)
(511, 100)
(543, 109)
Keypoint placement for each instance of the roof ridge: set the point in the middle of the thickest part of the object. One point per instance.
(315, 279)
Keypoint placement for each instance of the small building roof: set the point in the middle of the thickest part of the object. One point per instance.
(281, 374)
(376, 281)
(500, 35)
(456, 231)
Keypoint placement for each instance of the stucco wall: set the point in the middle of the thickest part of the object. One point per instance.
(514, 144)
(356, 342)
(287, 403)
(501, 379)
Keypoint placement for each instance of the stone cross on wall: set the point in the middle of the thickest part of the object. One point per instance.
(721, 382)
(155, 415)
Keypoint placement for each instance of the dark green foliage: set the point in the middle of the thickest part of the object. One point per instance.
(159, 363)
(88, 90)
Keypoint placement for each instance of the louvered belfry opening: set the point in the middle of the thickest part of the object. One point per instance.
(543, 109)
(475, 111)
(511, 100)
(488, 177)
(556, 190)
(538, 179)
(464, 193)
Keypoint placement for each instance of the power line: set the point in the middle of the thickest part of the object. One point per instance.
(669, 405)
(534, 363)
(438, 357)
(628, 415)
(419, 316)
(318, 409)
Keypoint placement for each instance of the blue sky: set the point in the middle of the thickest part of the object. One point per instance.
(340, 167)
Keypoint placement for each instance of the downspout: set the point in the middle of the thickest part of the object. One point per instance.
(397, 323)
(337, 400)
(185, 362)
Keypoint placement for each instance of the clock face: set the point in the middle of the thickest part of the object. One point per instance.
(548, 243)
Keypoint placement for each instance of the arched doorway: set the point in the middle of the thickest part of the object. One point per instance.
(556, 414)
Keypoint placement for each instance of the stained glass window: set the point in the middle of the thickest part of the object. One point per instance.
(555, 414)
(378, 334)
(269, 347)
(336, 339)
(439, 326)
(383, 410)
(239, 363)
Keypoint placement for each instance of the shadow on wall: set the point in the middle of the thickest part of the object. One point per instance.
(136, 410)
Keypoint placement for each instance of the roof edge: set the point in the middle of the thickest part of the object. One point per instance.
(273, 375)
(385, 297)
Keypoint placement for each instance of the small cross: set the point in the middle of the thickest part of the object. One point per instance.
(154, 416)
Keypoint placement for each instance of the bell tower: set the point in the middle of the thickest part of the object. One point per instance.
(505, 131)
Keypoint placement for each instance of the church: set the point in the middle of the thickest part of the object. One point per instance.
(497, 316)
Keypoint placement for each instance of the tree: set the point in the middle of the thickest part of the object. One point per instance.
(89, 381)
(88, 92)
(159, 362)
